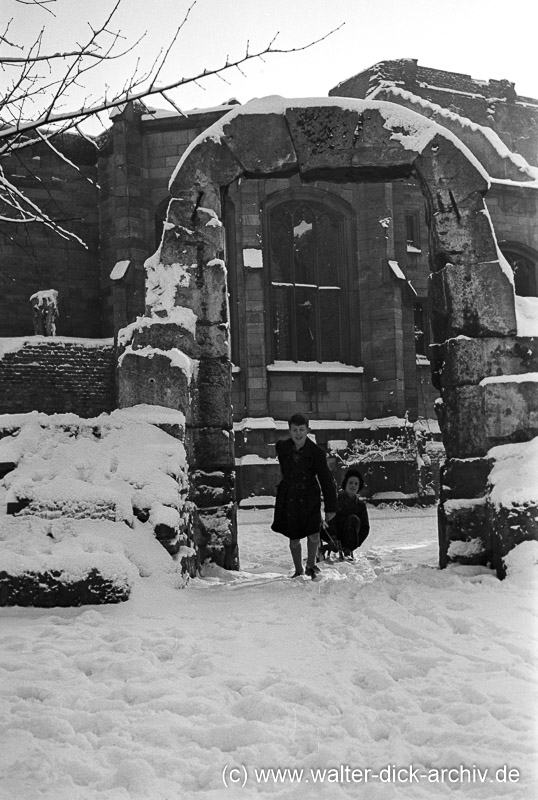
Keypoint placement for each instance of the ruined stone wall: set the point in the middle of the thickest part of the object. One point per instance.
(493, 103)
(137, 158)
(56, 375)
(34, 258)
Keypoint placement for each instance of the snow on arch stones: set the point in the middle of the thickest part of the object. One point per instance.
(339, 140)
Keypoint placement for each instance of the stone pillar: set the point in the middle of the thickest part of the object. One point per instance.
(487, 402)
(178, 355)
(125, 214)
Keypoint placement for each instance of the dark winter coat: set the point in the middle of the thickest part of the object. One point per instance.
(298, 496)
(346, 506)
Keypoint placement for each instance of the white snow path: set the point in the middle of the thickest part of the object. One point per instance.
(388, 661)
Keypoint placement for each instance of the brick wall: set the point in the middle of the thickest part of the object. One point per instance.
(57, 375)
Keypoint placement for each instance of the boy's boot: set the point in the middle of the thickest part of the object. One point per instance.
(297, 555)
(312, 547)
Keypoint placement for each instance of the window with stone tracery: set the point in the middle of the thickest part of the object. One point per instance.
(307, 268)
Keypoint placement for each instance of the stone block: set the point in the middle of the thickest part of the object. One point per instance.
(209, 489)
(510, 409)
(470, 360)
(194, 224)
(463, 532)
(212, 339)
(206, 293)
(211, 162)
(261, 143)
(335, 142)
(475, 300)
(462, 422)
(454, 187)
(213, 449)
(464, 478)
(217, 536)
(153, 380)
(166, 336)
(212, 393)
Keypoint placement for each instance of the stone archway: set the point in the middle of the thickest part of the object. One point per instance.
(471, 288)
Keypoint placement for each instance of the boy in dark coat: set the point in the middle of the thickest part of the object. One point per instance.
(350, 526)
(298, 499)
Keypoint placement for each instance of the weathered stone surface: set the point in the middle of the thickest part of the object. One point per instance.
(209, 163)
(206, 294)
(166, 336)
(261, 143)
(154, 380)
(194, 232)
(212, 391)
(470, 360)
(464, 478)
(213, 449)
(210, 489)
(338, 143)
(475, 300)
(213, 339)
(510, 410)
(463, 532)
(463, 422)
(217, 536)
(454, 188)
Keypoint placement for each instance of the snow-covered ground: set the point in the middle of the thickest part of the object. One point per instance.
(387, 665)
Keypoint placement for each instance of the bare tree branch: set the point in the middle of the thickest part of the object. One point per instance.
(36, 106)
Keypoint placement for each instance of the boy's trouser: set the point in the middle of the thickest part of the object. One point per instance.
(297, 554)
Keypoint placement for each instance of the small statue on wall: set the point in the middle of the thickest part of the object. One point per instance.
(45, 312)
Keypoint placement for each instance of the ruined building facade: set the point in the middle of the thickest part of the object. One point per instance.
(327, 276)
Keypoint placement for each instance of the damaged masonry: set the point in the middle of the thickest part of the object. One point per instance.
(178, 354)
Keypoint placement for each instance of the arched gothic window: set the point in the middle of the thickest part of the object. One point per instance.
(307, 259)
(524, 262)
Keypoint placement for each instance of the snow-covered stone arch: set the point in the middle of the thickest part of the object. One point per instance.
(334, 139)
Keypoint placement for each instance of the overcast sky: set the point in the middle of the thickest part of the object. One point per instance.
(483, 38)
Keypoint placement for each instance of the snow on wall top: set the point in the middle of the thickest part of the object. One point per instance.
(120, 460)
(15, 343)
(418, 130)
(155, 415)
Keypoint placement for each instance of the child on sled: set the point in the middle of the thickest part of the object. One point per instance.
(348, 529)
